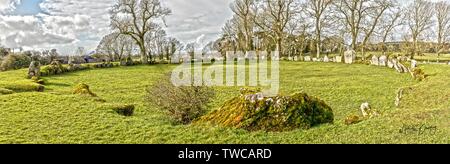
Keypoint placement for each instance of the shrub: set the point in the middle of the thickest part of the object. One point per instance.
(23, 86)
(182, 104)
(83, 89)
(15, 61)
(352, 119)
(255, 112)
(4, 91)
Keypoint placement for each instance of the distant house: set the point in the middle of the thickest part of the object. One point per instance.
(89, 59)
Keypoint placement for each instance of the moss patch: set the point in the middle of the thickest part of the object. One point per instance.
(255, 112)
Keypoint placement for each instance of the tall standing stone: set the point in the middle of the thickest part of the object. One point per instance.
(338, 59)
(413, 64)
(349, 56)
(326, 59)
(382, 61)
(34, 70)
(374, 60)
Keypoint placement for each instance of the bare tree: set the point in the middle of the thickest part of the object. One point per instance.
(352, 12)
(317, 10)
(116, 46)
(273, 18)
(443, 24)
(155, 42)
(244, 15)
(389, 21)
(53, 55)
(136, 18)
(174, 46)
(418, 18)
(81, 51)
(374, 14)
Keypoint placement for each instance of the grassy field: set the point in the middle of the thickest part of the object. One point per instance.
(57, 116)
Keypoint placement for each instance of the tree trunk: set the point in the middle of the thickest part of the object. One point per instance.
(318, 37)
(144, 58)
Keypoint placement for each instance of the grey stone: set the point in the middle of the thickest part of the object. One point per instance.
(338, 59)
(365, 109)
(34, 69)
(349, 56)
(382, 61)
(390, 63)
(374, 60)
(326, 59)
(413, 64)
(307, 58)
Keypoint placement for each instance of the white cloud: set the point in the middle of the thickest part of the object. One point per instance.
(67, 24)
(7, 5)
(30, 32)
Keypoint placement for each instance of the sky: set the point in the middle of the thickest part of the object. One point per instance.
(68, 24)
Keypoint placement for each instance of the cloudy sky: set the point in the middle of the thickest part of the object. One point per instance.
(67, 24)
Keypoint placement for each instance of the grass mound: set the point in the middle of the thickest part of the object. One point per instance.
(83, 89)
(255, 112)
(4, 91)
(23, 86)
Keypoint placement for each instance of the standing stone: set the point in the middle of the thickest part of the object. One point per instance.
(326, 59)
(413, 64)
(276, 57)
(295, 58)
(307, 58)
(34, 70)
(349, 56)
(374, 60)
(449, 63)
(382, 61)
(338, 59)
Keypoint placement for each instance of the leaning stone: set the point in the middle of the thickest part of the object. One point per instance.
(390, 64)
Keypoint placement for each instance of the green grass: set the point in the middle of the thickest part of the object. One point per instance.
(58, 116)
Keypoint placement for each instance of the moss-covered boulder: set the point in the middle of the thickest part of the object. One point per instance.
(255, 112)
(83, 89)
